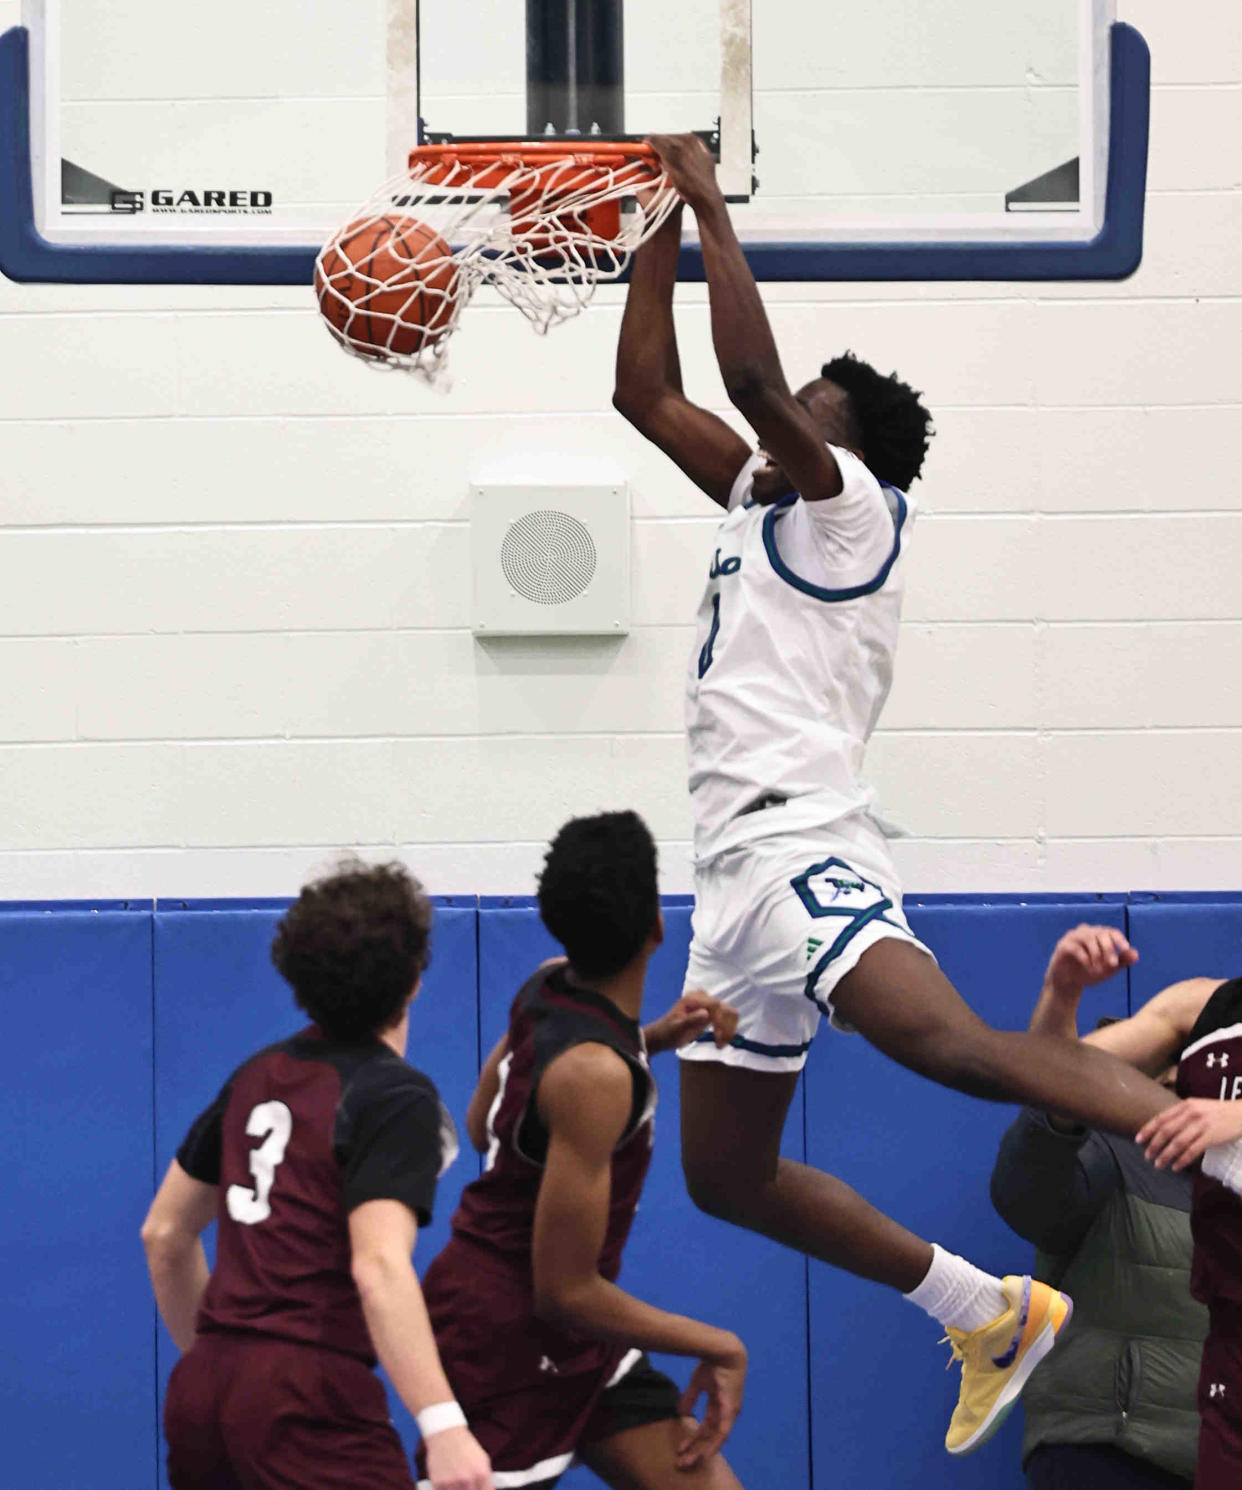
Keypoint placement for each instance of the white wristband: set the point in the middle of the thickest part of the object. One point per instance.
(438, 1417)
(1223, 1162)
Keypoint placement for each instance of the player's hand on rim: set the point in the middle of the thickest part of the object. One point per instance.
(693, 1013)
(689, 166)
(721, 1379)
(1179, 1135)
(455, 1461)
(1086, 956)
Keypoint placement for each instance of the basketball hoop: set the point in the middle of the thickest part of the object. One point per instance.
(542, 221)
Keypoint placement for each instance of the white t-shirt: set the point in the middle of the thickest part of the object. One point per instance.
(793, 659)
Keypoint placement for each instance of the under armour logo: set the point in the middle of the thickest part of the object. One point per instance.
(1216, 1389)
(1221, 1060)
(547, 1364)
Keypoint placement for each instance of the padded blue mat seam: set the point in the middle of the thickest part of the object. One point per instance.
(155, 1321)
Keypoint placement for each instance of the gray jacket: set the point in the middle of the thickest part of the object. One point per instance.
(1114, 1233)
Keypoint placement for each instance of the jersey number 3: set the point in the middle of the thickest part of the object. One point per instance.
(273, 1123)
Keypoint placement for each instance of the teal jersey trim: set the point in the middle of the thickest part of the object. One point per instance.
(820, 592)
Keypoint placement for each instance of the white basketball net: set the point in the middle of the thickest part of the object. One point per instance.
(542, 229)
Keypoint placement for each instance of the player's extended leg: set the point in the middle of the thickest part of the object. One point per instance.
(731, 1125)
(732, 1122)
(901, 1002)
(646, 1459)
(732, 1119)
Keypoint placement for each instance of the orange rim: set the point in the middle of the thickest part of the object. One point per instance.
(606, 155)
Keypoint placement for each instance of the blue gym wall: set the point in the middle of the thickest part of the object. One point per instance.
(125, 1017)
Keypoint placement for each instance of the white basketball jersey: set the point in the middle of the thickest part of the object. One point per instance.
(793, 659)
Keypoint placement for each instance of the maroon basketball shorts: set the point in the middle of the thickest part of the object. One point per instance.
(533, 1394)
(533, 1435)
(1220, 1403)
(251, 1413)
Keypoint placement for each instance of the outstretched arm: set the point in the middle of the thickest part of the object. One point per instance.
(585, 1099)
(693, 1013)
(648, 384)
(1153, 1038)
(745, 348)
(1082, 958)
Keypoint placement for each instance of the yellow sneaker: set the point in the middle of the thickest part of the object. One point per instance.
(997, 1359)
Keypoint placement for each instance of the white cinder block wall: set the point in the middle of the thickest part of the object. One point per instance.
(233, 571)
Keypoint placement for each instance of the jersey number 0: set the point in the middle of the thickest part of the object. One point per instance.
(273, 1123)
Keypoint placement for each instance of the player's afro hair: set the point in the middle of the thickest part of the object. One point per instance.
(598, 893)
(352, 947)
(893, 425)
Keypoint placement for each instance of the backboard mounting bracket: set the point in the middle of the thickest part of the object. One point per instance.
(737, 101)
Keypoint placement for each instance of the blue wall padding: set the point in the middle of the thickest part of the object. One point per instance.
(678, 1258)
(77, 1357)
(124, 1022)
(1183, 936)
(218, 999)
(924, 1155)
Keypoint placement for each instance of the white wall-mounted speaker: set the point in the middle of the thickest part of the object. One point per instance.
(550, 560)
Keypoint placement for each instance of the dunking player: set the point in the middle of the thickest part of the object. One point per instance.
(545, 1352)
(798, 907)
(1197, 1026)
(319, 1161)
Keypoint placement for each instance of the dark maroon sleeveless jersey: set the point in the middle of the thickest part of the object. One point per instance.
(303, 1133)
(479, 1290)
(1211, 1066)
(549, 1017)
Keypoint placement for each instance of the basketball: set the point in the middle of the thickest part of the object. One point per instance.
(388, 286)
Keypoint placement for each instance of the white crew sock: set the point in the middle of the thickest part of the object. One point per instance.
(958, 1294)
(1223, 1162)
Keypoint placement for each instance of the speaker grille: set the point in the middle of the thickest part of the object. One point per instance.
(548, 557)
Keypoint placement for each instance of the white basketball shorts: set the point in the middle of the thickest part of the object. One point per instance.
(777, 924)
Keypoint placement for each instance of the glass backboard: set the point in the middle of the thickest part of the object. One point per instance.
(845, 133)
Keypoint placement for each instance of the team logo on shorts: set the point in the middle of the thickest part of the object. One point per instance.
(833, 888)
(844, 902)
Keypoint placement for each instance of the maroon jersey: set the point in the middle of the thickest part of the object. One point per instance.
(479, 1290)
(1211, 1066)
(549, 1017)
(303, 1133)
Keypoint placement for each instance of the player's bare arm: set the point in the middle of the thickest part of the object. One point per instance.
(484, 1095)
(693, 1013)
(1082, 958)
(382, 1234)
(745, 347)
(649, 390)
(1150, 1040)
(172, 1233)
(1153, 1038)
(585, 1100)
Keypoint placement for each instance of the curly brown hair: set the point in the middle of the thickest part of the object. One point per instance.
(353, 945)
